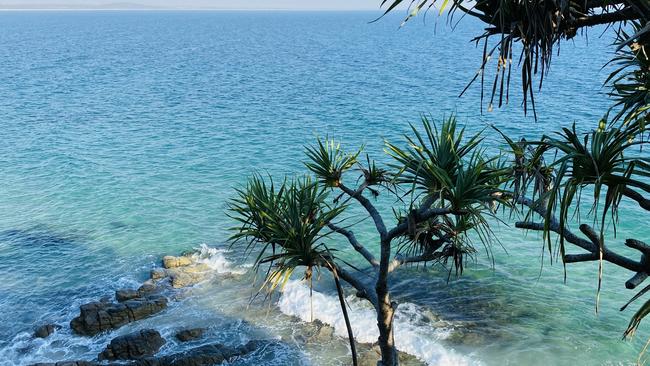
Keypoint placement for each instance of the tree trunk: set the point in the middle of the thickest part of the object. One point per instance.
(339, 291)
(385, 313)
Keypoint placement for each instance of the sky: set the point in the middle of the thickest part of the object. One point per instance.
(196, 4)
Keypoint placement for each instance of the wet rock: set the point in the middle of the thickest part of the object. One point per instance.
(187, 335)
(97, 317)
(208, 355)
(184, 279)
(149, 288)
(44, 331)
(133, 346)
(188, 275)
(67, 363)
(158, 273)
(174, 262)
(126, 294)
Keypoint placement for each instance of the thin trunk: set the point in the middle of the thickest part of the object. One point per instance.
(339, 290)
(385, 313)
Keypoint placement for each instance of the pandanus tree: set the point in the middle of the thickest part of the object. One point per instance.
(445, 190)
(608, 164)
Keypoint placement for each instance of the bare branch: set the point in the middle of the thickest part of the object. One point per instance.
(355, 244)
(372, 211)
(363, 290)
(642, 201)
(592, 245)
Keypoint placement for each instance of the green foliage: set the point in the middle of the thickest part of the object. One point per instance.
(538, 27)
(329, 162)
(630, 81)
(449, 171)
(284, 224)
(431, 163)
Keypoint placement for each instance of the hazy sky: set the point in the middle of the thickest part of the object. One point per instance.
(216, 4)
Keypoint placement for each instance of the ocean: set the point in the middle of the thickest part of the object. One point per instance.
(124, 134)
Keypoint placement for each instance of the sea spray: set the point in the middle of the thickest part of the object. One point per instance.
(216, 260)
(412, 333)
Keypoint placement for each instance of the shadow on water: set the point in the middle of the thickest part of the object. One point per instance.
(43, 270)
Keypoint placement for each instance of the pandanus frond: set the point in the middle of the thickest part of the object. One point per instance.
(430, 162)
(630, 81)
(449, 171)
(537, 26)
(328, 161)
(284, 223)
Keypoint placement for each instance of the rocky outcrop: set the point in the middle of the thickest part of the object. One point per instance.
(67, 363)
(44, 331)
(208, 355)
(174, 262)
(126, 294)
(97, 317)
(187, 335)
(133, 346)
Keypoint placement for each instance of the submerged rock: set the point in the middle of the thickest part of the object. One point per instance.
(97, 317)
(211, 354)
(187, 335)
(133, 346)
(46, 330)
(174, 262)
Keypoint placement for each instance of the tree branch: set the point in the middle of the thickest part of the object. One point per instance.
(593, 245)
(355, 244)
(372, 211)
(642, 201)
(363, 291)
(420, 216)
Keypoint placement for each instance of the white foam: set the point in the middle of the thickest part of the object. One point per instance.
(216, 260)
(412, 334)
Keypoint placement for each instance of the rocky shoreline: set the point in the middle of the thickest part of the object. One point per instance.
(130, 305)
(140, 348)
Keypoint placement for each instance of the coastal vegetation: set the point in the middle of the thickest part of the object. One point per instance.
(448, 189)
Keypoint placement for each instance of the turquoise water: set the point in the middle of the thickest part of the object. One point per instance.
(123, 135)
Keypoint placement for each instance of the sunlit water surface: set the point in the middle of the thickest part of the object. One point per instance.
(123, 135)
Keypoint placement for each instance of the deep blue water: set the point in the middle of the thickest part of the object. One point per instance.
(123, 134)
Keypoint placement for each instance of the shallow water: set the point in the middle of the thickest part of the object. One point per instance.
(124, 133)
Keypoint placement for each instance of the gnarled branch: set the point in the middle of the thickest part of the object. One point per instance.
(355, 244)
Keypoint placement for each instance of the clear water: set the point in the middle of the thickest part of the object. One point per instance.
(123, 135)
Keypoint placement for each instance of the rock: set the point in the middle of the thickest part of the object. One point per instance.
(148, 288)
(126, 294)
(188, 275)
(208, 355)
(173, 262)
(184, 279)
(97, 317)
(44, 331)
(67, 363)
(187, 335)
(158, 273)
(133, 346)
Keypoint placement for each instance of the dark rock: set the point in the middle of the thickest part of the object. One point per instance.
(67, 363)
(97, 317)
(126, 294)
(208, 355)
(148, 288)
(186, 335)
(133, 346)
(44, 331)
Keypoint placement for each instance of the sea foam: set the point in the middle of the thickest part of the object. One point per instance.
(216, 260)
(412, 333)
